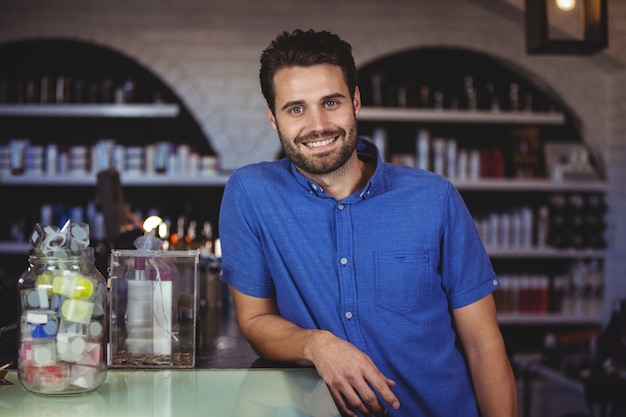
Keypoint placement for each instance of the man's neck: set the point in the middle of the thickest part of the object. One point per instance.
(347, 180)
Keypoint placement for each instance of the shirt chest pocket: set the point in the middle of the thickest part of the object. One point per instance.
(401, 279)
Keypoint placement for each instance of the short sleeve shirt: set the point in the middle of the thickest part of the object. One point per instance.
(381, 269)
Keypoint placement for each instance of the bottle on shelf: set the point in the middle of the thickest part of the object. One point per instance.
(177, 240)
(211, 268)
(191, 238)
(207, 246)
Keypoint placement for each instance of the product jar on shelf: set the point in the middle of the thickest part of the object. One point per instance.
(62, 314)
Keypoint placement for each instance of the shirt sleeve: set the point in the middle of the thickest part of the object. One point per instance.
(243, 264)
(466, 268)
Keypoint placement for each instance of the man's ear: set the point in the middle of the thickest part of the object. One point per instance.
(272, 119)
(356, 101)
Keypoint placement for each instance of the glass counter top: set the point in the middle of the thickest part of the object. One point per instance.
(285, 392)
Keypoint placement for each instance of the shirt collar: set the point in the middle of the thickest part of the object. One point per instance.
(367, 152)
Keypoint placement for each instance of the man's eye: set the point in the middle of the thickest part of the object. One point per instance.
(331, 103)
(296, 110)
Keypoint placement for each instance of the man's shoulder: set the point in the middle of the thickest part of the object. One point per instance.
(406, 175)
(261, 170)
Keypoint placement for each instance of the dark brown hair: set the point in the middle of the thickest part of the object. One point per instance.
(304, 49)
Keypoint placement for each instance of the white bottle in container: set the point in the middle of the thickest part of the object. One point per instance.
(139, 310)
(162, 306)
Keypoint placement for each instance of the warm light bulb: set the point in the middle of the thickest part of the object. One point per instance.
(151, 223)
(566, 5)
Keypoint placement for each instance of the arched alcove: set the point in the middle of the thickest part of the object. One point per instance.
(415, 78)
(71, 95)
(89, 73)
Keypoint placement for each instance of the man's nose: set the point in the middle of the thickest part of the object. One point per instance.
(317, 120)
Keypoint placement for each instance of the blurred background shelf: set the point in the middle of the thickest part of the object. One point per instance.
(127, 179)
(169, 110)
(388, 114)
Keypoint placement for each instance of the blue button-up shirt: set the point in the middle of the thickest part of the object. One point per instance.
(381, 268)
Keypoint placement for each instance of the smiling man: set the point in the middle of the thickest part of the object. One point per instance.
(371, 272)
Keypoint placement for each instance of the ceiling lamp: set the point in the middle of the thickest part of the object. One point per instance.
(582, 26)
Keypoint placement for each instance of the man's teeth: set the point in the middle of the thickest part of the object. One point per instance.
(320, 143)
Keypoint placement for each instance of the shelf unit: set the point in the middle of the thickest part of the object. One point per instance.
(72, 180)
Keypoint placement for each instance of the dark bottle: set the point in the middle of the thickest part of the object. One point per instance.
(595, 224)
(575, 222)
(31, 91)
(130, 90)
(4, 91)
(558, 225)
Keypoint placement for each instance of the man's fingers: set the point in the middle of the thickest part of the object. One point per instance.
(361, 397)
(383, 385)
(341, 403)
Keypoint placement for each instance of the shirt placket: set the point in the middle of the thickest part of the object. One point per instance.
(346, 273)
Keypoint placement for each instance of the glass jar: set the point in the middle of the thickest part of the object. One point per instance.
(62, 317)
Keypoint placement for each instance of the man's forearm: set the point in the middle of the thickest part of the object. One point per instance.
(275, 338)
(495, 387)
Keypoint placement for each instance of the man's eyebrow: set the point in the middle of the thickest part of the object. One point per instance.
(293, 103)
(333, 96)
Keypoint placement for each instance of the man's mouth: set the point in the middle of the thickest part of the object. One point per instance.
(319, 143)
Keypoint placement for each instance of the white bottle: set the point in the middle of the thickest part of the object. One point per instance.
(162, 307)
(379, 137)
(139, 310)
(422, 147)
(451, 158)
(439, 156)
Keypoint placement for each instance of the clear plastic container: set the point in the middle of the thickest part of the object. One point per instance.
(62, 339)
(153, 308)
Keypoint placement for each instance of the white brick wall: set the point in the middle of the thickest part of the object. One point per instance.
(207, 51)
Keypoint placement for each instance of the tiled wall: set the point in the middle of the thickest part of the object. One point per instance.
(207, 51)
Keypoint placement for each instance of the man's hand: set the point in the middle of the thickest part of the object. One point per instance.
(352, 378)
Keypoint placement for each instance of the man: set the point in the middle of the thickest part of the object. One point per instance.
(371, 272)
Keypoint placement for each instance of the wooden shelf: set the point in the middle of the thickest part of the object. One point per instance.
(14, 248)
(548, 319)
(130, 179)
(90, 110)
(127, 180)
(544, 253)
(393, 114)
(514, 184)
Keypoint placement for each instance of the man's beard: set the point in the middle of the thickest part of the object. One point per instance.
(322, 163)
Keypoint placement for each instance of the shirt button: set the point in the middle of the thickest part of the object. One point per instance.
(348, 314)
(495, 282)
(340, 206)
(344, 261)
(314, 187)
